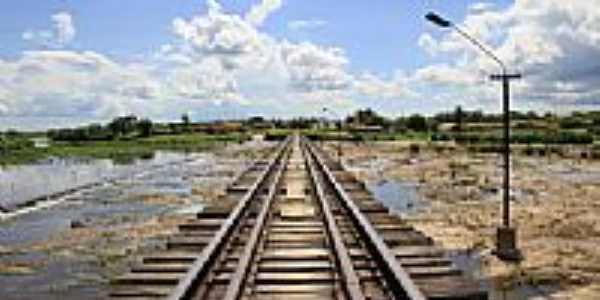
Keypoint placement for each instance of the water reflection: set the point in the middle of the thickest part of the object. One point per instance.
(398, 196)
(26, 182)
(104, 205)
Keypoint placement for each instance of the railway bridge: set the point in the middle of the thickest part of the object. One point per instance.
(296, 225)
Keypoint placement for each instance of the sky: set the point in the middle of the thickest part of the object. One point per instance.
(64, 63)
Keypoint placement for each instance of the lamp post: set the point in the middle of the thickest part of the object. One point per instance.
(339, 138)
(505, 235)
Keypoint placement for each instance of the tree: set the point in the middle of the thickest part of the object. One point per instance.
(458, 114)
(12, 133)
(185, 119)
(256, 120)
(417, 122)
(366, 117)
(122, 125)
(400, 124)
(532, 115)
(145, 127)
(115, 128)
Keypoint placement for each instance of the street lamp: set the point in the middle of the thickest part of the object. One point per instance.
(505, 235)
(339, 138)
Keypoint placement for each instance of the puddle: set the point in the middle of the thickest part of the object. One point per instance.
(103, 204)
(399, 197)
(472, 264)
(190, 210)
(523, 292)
(58, 278)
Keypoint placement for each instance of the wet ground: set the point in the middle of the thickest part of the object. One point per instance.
(400, 196)
(554, 203)
(71, 250)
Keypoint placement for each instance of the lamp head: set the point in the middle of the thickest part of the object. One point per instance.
(437, 20)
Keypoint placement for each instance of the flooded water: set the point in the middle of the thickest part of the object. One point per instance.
(398, 196)
(120, 202)
(111, 198)
(19, 184)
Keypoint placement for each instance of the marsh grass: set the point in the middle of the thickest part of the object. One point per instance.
(120, 151)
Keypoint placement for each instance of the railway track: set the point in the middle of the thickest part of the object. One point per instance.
(296, 226)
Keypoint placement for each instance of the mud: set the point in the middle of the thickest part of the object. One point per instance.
(554, 205)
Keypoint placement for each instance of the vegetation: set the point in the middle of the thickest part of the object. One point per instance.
(129, 137)
(532, 137)
(123, 139)
(15, 149)
(120, 151)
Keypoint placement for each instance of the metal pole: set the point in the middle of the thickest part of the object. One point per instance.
(506, 105)
(339, 133)
(506, 236)
(506, 248)
(505, 78)
(340, 142)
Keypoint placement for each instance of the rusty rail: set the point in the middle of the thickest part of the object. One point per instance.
(399, 282)
(210, 253)
(236, 285)
(351, 283)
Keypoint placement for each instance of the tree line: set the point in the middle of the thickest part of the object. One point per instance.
(120, 127)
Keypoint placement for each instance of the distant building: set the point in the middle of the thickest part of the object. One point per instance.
(366, 128)
(40, 142)
(487, 126)
(258, 137)
(325, 124)
(220, 127)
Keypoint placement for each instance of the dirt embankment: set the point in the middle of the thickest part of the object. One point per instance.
(556, 208)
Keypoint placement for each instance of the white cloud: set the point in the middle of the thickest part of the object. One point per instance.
(225, 37)
(63, 31)
(68, 83)
(221, 60)
(259, 13)
(428, 43)
(548, 41)
(312, 67)
(258, 68)
(306, 24)
(480, 7)
(443, 74)
(374, 87)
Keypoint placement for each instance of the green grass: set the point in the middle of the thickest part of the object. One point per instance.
(118, 150)
(408, 136)
(332, 134)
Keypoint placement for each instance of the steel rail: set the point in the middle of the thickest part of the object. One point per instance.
(398, 280)
(236, 285)
(351, 283)
(209, 254)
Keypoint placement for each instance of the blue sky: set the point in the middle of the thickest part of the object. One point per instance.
(98, 59)
(126, 29)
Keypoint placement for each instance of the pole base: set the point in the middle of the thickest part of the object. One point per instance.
(506, 245)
